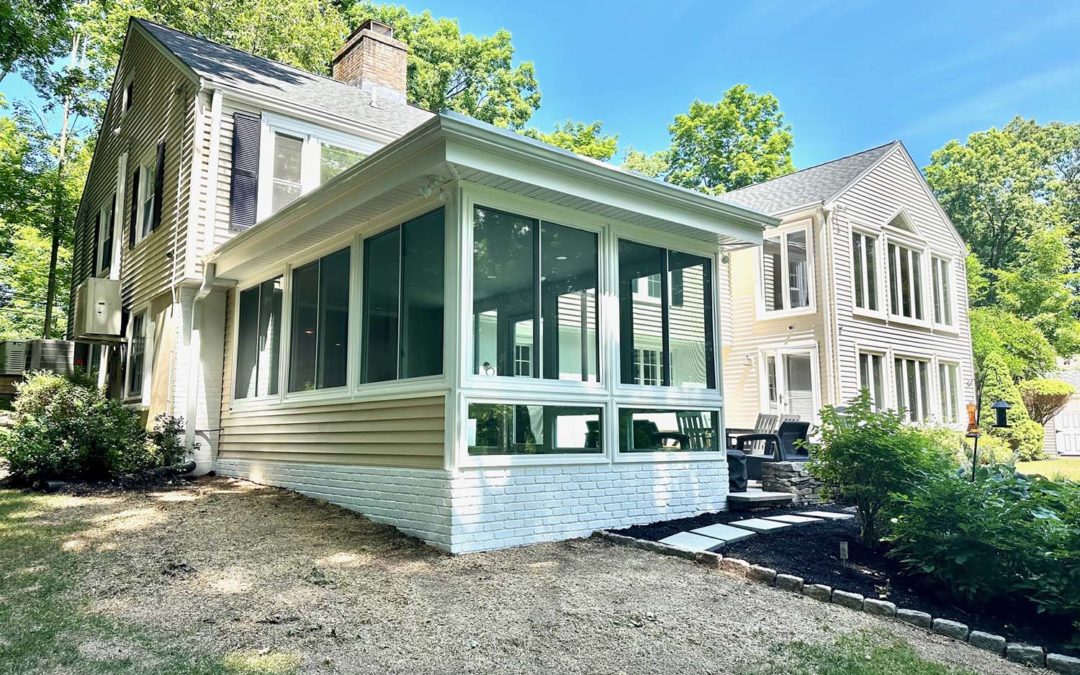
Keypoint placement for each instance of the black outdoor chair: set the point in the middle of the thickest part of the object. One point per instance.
(782, 446)
(648, 436)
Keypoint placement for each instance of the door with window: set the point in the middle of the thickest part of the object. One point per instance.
(789, 384)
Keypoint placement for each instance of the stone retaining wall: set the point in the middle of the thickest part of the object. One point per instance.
(791, 477)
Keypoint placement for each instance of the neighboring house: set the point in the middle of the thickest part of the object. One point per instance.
(1063, 429)
(862, 286)
(473, 336)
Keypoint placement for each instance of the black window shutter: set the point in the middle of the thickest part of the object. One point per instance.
(245, 170)
(134, 206)
(159, 182)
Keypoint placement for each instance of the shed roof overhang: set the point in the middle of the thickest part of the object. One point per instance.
(452, 147)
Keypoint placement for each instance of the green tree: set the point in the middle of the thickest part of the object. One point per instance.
(584, 139)
(23, 286)
(654, 165)
(738, 141)
(33, 33)
(451, 70)
(1024, 350)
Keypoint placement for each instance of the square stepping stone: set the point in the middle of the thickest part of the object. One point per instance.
(724, 533)
(688, 541)
(759, 525)
(828, 515)
(794, 520)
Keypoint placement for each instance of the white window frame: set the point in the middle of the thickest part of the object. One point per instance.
(948, 297)
(146, 191)
(883, 357)
(943, 395)
(924, 394)
(782, 234)
(876, 239)
(102, 229)
(312, 137)
(917, 249)
(640, 366)
(142, 396)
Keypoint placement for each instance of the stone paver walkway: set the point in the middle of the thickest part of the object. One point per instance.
(712, 537)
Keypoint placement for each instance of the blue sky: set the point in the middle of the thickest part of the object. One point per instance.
(849, 75)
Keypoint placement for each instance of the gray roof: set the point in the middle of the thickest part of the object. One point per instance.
(245, 72)
(1070, 376)
(810, 186)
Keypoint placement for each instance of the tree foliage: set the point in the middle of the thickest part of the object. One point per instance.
(1023, 349)
(32, 34)
(653, 165)
(584, 139)
(451, 70)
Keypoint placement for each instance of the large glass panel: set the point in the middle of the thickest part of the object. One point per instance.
(916, 275)
(422, 279)
(664, 430)
(379, 347)
(870, 248)
(798, 272)
(857, 256)
(305, 327)
(569, 280)
(247, 343)
(504, 293)
(334, 159)
(269, 337)
(691, 326)
(288, 160)
(906, 307)
(333, 329)
(641, 320)
(771, 265)
(500, 429)
(894, 279)
(146, 185)
(138, 354)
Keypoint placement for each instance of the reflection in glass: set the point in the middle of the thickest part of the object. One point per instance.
(770, 271)
(664, 430)
(798, 270)
(258, 340)
(334, 159)
(500, 429)
(379, 346)
(641, 320)
(503, 292)
(568, 283)
(320, 323)
(690, 322)
(288, 159)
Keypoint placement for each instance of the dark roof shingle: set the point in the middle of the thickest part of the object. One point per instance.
(816, 184)
(246, 72)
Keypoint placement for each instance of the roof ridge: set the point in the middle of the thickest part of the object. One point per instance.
(818, 166)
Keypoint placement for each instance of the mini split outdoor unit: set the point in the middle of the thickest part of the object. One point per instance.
(97, 311)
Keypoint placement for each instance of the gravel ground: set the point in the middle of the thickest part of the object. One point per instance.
(241, 568)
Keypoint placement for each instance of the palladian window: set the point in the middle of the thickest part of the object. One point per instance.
(534, 298)
(661, 341)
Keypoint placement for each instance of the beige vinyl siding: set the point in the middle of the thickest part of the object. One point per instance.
(406, 432)
(163, 108)
(872, 201)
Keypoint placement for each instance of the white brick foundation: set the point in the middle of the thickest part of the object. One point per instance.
(488, 508)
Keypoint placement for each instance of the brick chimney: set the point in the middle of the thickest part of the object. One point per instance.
(372, 59)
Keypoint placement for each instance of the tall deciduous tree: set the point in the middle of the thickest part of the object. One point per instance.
(738, 141)
(584, 139)
(32, 34)
(451, 70)
(653, 165)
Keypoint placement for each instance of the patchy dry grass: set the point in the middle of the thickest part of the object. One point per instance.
(1056, 469)
(227, 577)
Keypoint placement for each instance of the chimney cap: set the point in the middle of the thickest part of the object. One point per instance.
(382, 32)
(375, 26)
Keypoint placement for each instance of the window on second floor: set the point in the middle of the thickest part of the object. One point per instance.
(785, 271)
(905, 282)
(106, 221)
(943, 305)
(864, 267)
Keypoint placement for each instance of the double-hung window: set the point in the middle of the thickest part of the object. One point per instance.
(864, 269)
(534, 298)
(147, 212)
(136, 355)
(403, 301)
(943, 305)
(681, 336)
(912, 388)
(872, 377)
(288, 159)
(905, 282)
(258, 340)
(785, 271)
(106, 220)
(318, 352)
(949, 386)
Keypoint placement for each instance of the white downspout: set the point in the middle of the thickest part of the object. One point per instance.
(832, 319)
(195, 348)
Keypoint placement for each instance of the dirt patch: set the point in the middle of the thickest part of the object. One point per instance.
(244, 570)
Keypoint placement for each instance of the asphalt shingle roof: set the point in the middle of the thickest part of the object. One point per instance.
(246, 72)
(816, 184)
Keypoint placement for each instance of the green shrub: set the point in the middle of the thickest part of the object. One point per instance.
(167, 440)
(870, 457)
(992, 450)
(1025, 437)
(1002, 537)
(1044, 398)
(67, 430)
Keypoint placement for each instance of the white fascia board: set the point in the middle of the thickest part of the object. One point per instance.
(413, 155)
(507, 155)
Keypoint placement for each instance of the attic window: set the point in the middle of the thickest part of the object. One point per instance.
(128, 93)
(902, 221)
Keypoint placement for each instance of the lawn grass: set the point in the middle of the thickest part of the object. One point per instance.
(855, 654)
(46, 626)
(1068, 469)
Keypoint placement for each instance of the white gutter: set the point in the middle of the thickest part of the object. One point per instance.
(195, 355)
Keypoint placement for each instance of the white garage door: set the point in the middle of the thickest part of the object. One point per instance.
(1067, 428)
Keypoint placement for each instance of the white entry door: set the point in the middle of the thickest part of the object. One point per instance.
(789, 383)
(1067, 428)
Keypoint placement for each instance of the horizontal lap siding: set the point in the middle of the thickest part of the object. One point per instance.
(870, 203)
(394, 433)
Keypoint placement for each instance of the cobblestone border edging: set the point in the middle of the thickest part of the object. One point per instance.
(1016, 652)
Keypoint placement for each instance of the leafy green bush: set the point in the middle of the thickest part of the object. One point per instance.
(870, 457)
(67, 430)
(1026, 438)
(1024, 435)
(1020, 344)
(1002, 537)
(1045, 398)
(992, 450)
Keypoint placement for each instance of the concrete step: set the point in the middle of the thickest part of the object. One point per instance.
(797, 521)
(827, 515)
(688, 541)
(724, 533)
(760, 525)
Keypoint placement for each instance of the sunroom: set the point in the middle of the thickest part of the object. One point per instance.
(489, 341)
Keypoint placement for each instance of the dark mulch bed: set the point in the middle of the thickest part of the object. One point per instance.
(138, 482)
(813, 553)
